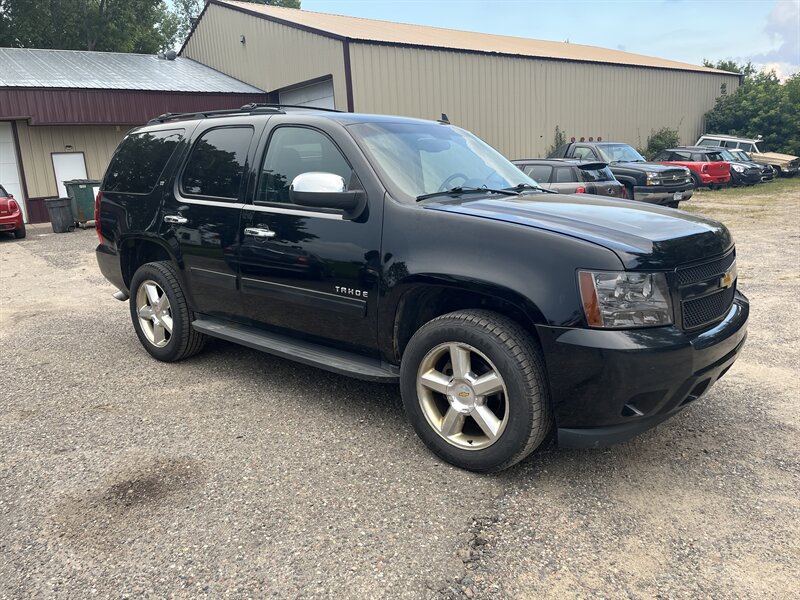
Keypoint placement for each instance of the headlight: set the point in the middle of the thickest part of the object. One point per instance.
(616, 300)
(653, 178)
(738, 168)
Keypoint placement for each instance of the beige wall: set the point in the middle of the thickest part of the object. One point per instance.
(515, 103)
(274, 56)
(36, 143)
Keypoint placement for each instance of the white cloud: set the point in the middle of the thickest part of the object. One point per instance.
(783, 27)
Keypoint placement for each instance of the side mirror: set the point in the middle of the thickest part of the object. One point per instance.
(324, 190)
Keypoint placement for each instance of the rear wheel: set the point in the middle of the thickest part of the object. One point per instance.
(161, 317)
(473, 386)
(21, 232)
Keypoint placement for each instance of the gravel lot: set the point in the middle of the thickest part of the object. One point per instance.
(239, 474)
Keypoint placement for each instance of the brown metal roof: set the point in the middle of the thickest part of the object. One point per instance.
(385, 32)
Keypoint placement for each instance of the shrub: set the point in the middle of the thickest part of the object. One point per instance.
(666, 137)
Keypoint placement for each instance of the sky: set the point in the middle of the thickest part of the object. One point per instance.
(764, 31)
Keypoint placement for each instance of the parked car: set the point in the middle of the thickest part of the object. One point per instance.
(707, 166)
(568, 176)
(743, 172)
(644, 181)
(11, 220)
(499, 308)
(785, 165)
(767, 171)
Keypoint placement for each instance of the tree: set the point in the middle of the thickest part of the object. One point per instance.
(186, 11)
(760, 106)
(664, 138)
(144, 26)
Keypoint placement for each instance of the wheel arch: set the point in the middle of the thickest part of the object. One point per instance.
(426, 297)
(136, 251)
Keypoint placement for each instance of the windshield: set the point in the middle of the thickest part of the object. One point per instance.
(727, 155)
(423, 158)
(619, 153)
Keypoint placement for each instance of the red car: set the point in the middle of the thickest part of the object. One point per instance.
(10, 215)
(707, 166)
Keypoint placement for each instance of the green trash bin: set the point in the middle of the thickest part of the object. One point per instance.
(81, 193)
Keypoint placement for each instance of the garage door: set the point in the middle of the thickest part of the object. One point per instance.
(9, 170)
(317, 94)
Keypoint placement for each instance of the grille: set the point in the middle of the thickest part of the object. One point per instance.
(673, 178)
(708, 270)
(706, 309)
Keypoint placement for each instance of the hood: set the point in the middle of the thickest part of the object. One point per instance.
(644, 236)
(777, 156)
(646, 166)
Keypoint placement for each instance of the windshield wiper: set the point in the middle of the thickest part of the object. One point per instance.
(527, 186)
(466, 190)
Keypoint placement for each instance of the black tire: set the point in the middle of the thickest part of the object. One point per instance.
(21, 232)
(518, 360)
(672, 204)
(696, 180)
(183, 341)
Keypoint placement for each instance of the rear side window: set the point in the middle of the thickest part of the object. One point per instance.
(663, 155)
(709, 142)
(746, 146)
(3, 192)
(216, 164)
(540, 173)
(584, 153)
(140, 160)
(565, 175)
(604, 174)
(681, 156)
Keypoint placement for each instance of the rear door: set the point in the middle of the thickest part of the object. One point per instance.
(565, 179)
(204, 214)
(309, 270)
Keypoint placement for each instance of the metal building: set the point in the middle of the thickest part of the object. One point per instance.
(63, 112)
(511, 91)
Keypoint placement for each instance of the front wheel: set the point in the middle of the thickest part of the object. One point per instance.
(473, 386)
(161, 316)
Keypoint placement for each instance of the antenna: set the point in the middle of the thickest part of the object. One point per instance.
(444, 120)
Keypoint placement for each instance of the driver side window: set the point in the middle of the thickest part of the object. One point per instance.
(292, 151)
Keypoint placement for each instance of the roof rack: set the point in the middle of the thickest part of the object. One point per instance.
(247, 108)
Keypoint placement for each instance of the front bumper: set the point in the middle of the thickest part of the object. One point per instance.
(660, 194)
(745, 178)
(608, 386)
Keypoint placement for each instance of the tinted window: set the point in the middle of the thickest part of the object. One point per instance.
(140, 160)
(729, 144)
(708, 143)
(604, 174)
(679, 156)
(663, 155)
(714, 157)
(746, 146)
(584, 153)
(540, 173)
(296, 150)
(3, 192)
(216, 163)
(564, 175)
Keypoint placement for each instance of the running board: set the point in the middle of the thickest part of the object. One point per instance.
(309, 353)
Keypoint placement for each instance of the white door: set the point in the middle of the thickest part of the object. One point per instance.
(318, 94)
(9, 166)
(68, 166)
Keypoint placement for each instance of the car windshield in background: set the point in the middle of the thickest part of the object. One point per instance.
(604, 174)
(424, 158)
(726, 155)
(614, 153)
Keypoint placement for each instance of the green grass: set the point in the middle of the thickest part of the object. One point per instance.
(781, 185)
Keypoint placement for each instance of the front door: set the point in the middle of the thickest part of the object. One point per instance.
(309, 271)
(205, 214)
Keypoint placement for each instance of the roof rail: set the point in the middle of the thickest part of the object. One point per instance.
(247, 108)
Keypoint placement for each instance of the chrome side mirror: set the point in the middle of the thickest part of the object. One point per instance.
(326, 190)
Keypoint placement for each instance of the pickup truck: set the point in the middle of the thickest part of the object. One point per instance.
(644, 181)
(410, 252)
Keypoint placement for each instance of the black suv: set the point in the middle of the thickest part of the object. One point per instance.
(401, 250)
(645, 181)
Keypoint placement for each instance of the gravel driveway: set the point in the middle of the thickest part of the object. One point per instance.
(238, 474)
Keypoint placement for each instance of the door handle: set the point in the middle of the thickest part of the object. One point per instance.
(175, 219)
(259, 232)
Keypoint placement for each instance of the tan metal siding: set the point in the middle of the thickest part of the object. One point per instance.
(274, 56)
(515, 103)
(36, 143)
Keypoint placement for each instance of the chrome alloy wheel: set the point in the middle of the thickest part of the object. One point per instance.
(462, 396)
(155, 313)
